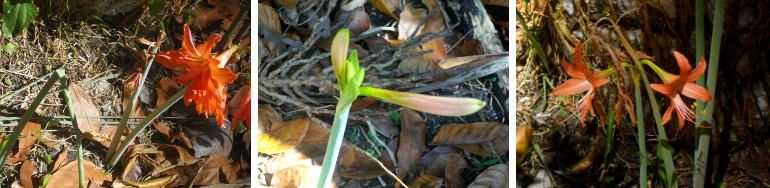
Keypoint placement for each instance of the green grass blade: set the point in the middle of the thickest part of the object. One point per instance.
(640, 138)
(79, 139)
(143, 124)
(27, 115)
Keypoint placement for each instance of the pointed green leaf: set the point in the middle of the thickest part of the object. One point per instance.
(18, 15)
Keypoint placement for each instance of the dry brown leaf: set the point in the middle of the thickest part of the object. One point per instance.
(435, 23)
(163, 129)
(469, 48)
(357, 21)
(482, 138)
(269, 18)
(216, 170)
(296, 176)
(523, 135)
(84, 107)
(61, 161)
(411, 142)
(157, 182)
(426, 181)
(496, 2)
(165, 89)
(266, 116)
(316, 133)
(386, 6)
(28, 168)
(216, 15)
(430, 4)
(410, 22)
(290, 4)
(103, 137)
(161, 157)
(453, 172)
(19, 151)
(284, 137)
(356, 165)
(439, 165)
(303, 154)
(64, 176)
(429, 157)
(494, 176)
(471, 60)
(386, 159)
(423, 62)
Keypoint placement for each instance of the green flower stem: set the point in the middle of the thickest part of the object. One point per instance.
(129, 109)
(78, 137)
(25, 119)
(704, 134)
(333, 148)
(640, 138)
(143, 124)
(667, 151)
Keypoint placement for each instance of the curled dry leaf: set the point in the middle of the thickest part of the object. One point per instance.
(523, 135)
(267, 115)
(426, 181)
(216, 15)
(355, 164)
(103, 137)
(160, 157)
(469, 48)
(316, 133)
(60, 161)
(84, 107)
(19, 152)
(296, 176)
(483, 138)
(386, 6)
(268, 17)
(64, 176)
(357, 21)
(165, 89)
(216, 170)
(284, 137)
(435, 23)
(411, 141)
(28, 168)
(410, 21)
(157, 182)
(588, 160)
(494, 176)
(429, 157)
(453, 172)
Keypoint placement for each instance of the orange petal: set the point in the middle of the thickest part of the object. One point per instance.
(599, 81)
(664, 89)
(684, 65)
(667, 115)
(695, 74)
(696, 92)
(223, 75)
(583, 116)
(187, 42)
(572, 70)
(572, 86)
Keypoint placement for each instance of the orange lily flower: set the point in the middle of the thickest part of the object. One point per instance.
(244, 111)
(683, 83)
(205, 72)
(582, 80)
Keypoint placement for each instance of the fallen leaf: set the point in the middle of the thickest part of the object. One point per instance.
(482, 138)
(165, 89)
(216, 170)
(268, 18)
(469, 48)
(160, 157)
(357, 21)
(496, 2)
(19, 151)
(284, 137)
(296, 176)
(429, 157)
(157, 182)
(435, 23)
(422, 62)
(64, 176)
(523, 135)
(288, 3)
(410, 22)
(103, 137)
(430, 4)
(266, 116)
(28, 168)
(317, 132)
(453, 172)
(61, 161)
(426, 181)
(411, 141)
(494, 176)
(303, 154)
(386, 159)
(163, 129)
(356, 164)
(386, 6)
(588, 160)
(84, 107)
(216, 15)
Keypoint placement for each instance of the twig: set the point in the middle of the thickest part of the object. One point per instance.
(384, 168)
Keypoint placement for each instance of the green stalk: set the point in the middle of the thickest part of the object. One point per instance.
(129, 109)
(333, 148)
(640, 138)
(704, 134)
(667, 152)
(143, 124)
(25, 119)
(68, 99)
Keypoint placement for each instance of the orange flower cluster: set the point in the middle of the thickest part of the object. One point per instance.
(206, 74)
